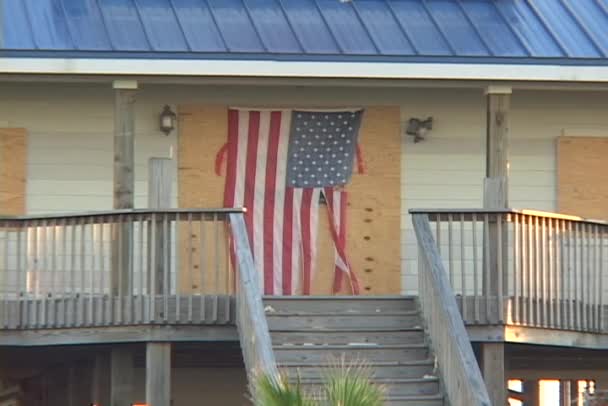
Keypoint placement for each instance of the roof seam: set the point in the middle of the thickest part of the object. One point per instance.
(584, 29)
(523, 42)
(217, 25)
(67, 25)
(401, 27)
(254, 25)
(143, 25)
(470, 20)
(179, 24)
(438, 28)
(362, 22)
(105, 24)
(291, 27)
(331, 32)
(544, 23)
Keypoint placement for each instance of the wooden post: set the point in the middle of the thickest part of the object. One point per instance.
(100, 388)
(496, 185)
(160, 176)
(158, 374)
(565, 392)
(531, 391)
(124, 171)
(496, 197)
(122, 376)
(494, 374)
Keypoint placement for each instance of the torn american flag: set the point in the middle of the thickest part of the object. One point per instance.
(279, 163)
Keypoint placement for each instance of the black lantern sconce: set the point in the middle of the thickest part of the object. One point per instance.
(168, 120)
(419, 128)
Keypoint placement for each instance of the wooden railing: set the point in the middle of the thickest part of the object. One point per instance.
(116, 268)
(459, 370)
(252, 325)
(524, 267)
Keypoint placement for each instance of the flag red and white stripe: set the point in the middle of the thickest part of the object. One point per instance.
(281, 222)
(337, 204)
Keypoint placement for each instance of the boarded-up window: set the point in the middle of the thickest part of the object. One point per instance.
(13, 157)
(582, 176)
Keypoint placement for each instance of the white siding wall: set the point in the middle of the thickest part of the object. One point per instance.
(447, 170)
(70, 150)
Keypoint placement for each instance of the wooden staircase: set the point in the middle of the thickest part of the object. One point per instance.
(310, 334)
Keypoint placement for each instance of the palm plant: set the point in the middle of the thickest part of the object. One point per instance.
(345, 384)
(279, 392)
(350, 384)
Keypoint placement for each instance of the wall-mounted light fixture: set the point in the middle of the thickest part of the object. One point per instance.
(418, 128)
(168, 120)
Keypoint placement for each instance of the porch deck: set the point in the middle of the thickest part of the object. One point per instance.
(508, 269)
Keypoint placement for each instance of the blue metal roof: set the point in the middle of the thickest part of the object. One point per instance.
(572, 31)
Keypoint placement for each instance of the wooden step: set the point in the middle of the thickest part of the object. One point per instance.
(429, 400)
(340, 304)
(337, 321)
(393, 387)
(370, 353)
(379, 336)
(381, 370)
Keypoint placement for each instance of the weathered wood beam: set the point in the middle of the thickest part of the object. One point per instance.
(124, 180)
(160, 175)
(100, 387)
(494, 374)
(158, 374)
(496, 196)
(565, 392)
(531, 390)
(496, 185)
(122, 374)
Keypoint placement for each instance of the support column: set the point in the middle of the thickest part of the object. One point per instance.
(158, 374)
(160, 176)
(495, 196)
(100, 388)
(124, 183)
(531, 391)
(122, 376)
(565, 392)
(493, 357)
(496, 184)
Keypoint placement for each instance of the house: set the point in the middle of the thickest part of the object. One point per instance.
(126, 278)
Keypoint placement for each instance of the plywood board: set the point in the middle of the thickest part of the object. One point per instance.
(373, 242)
(13, 167)
(582, 176)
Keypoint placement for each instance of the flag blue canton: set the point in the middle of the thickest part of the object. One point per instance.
(322, 148)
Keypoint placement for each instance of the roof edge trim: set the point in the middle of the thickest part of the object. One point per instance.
(299, 69)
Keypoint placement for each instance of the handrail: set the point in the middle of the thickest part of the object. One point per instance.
(122, 267)
(251, 318)
(457, 364)
(524, 267)
(526, 212)
(104, 213)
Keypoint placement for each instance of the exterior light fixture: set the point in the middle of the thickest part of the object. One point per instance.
(418, 128)
(167, 120)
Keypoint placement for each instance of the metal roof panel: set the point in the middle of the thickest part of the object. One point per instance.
(161, 25)
(420, 27)
(310, 27)
(48, 24)
(493, 28)
(124, 26)
(15, 25)
(199, 26)
(456, 28)
(383, 27)
(495, 31)
(235, 24)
